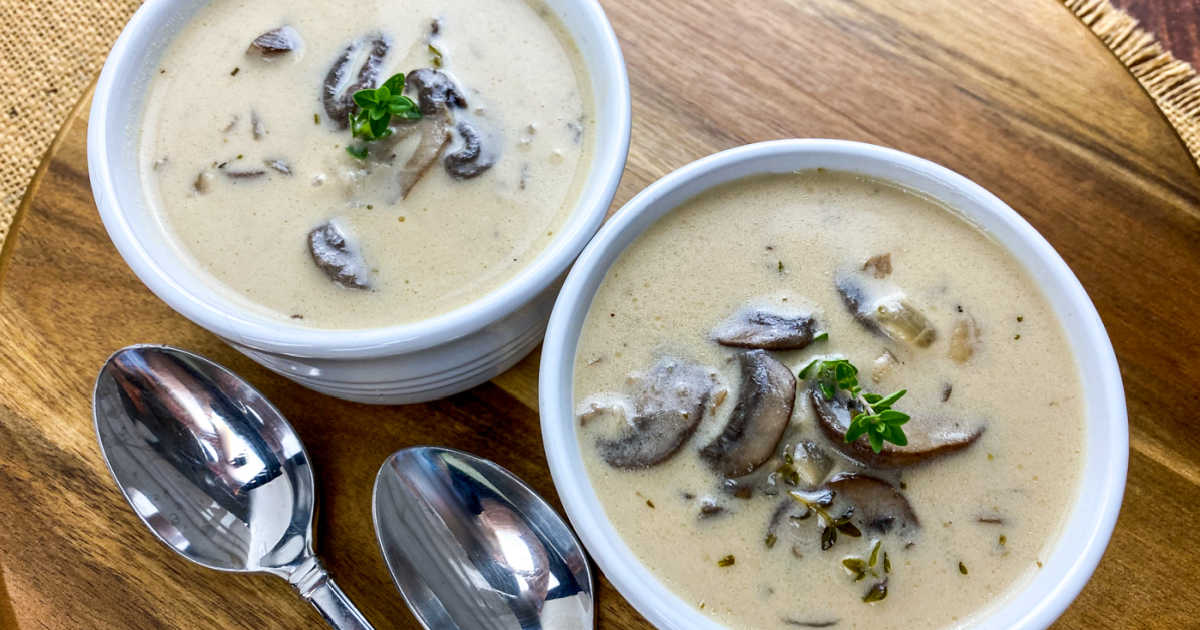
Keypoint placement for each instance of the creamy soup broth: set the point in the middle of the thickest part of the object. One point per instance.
(219, 109)
(781, 243)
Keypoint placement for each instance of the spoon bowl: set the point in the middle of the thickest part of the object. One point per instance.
(213, 469)
(471, 547)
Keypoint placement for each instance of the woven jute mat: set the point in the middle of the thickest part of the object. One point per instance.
(50, 50)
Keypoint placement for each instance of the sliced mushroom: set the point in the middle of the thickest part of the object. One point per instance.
(889, 314)
(964, 339)
(879, 265)
(883, 365)
(357, 68)
(878, 505)
(435, 90)
(710, 508)
(242, 173)
(203, 181)
(928, 438)
(279, 165)
(338, 257)
(668, 405)
(434, 132)
(754, 328)
(763, 410)
(257, 128)
(275, 42)
(469, 160)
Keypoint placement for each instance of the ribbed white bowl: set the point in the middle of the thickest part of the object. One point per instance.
(396, 364)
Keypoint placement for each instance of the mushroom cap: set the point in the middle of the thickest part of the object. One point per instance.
(928, 437)
(762, 412)
(668, 404)
(762, 329)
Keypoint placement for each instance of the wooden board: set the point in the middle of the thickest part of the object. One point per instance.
(1015, 94)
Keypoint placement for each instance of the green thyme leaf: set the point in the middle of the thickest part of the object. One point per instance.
(888, 401)
(771, 540)
(877, 592)
(808, 368)
(821, 336)
(856, 430)
(887, 563)
(359, 151)
(828, 538)
(856, 566)
(875, 553)
(376, 108)
(727, 561)
(962, 568)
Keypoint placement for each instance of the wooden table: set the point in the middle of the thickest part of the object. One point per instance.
(1015, 94)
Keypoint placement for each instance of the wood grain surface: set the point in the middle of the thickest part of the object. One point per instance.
(1176, 23)
(1015, 94)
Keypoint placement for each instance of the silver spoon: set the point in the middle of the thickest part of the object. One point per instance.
(213, 469)
(471, 547)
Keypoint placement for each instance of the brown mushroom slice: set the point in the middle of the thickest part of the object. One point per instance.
(338, 257)
(890, 314)
(928, 438)
(203, 182)
(279, 166)
(755, 328)
(880, 265)
(668, 405)
(275, 42)
(357, 68)
(243, 173)
(434, 132)
(878, 505)
(964, 339)
(469, 159)
(763, 410)
(435, 90)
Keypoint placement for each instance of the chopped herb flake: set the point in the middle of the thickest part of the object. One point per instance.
(727, 561)
(877, 592)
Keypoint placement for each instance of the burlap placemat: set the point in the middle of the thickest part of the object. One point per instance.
(51, 49)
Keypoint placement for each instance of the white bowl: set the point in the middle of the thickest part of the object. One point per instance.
(1091, 520)
(396, 364)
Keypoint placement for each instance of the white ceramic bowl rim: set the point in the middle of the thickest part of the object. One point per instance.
(1089, 524)
(188, 294)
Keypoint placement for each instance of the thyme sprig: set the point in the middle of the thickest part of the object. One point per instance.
(376, 108)
(830, 526)
(876, 419)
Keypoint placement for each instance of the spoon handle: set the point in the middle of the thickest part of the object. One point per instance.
(319, 589)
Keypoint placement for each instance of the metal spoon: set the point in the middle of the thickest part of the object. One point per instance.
(213, 469)
(471, 547)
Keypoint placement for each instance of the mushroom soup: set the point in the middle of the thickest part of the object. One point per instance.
(351, 166)
(733, 346)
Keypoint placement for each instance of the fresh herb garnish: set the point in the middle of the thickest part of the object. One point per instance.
(877, 592)
(357, 150)
(436, 56)
(830, 525)
(876, 419)
(962, 568)
(726, 561)
(376, 108)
